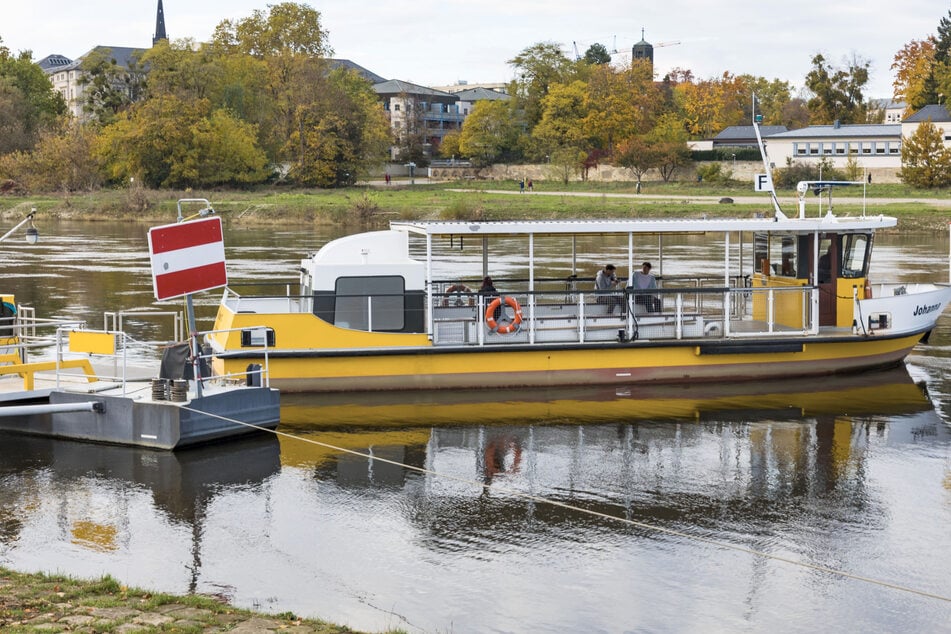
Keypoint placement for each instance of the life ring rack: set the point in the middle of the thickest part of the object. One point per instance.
(458, 291)
(505, 328)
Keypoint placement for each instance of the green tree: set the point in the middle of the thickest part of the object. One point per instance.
(538, 67)
(340, 135)
(286, 47)
(28, 103)
(168, 142)
(925, 161)
(597, 54)
(109, 88)
(491, 133)
(837, 92)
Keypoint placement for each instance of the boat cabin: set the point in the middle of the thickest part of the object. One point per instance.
(767, 276)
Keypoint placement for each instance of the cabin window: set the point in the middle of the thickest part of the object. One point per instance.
(775, 255)
(855, 255)
(370, 303)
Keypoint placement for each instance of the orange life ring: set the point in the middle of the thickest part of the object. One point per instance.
(459, 290)
(505, 328)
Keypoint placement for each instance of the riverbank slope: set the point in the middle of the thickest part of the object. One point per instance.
(43, 603)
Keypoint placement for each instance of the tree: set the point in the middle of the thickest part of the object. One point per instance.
(564, 110)
(925, 161)
(109, 88)
(28, 103)
(771, 99)
(491, 133)
(340, 135)
(914, 68)
(450, 147)
(597, 54)
(710, 106)
(538, 67)
(287, 46)
(837, 92)
(620, 104)
(638, 154)
(168, 142)
(61, 161)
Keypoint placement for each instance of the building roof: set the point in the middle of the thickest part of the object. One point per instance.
(933, 113)
(746, 132)
(848, 131)
(370, 76)
(53, 63)
(481, 94)
(399, 87)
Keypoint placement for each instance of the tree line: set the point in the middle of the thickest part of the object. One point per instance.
(262, 102)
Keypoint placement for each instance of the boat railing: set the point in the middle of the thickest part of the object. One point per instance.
(32, 335)
(586, 316)
(256, 337)
(286, 302)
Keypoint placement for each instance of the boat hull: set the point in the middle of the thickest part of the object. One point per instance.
(595, 364)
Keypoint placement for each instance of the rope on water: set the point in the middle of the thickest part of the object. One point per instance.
(615, 518)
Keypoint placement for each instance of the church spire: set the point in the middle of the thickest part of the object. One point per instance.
(159, 25)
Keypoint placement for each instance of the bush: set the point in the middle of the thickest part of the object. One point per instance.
(713, 173)
(789, 176)
(462, 209)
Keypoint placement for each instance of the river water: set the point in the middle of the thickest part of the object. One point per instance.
(795, 507)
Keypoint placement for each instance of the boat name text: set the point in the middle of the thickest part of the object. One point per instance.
(924, 310)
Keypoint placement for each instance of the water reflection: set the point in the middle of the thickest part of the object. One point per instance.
(284, 524)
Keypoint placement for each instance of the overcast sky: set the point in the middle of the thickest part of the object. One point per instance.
(438, 42)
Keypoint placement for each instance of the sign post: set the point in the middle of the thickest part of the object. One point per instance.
(188, 257)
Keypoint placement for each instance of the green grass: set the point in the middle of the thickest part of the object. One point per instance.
(28, 602)
(469, 200)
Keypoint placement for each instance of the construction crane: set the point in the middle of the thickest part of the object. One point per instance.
(577, 55)
(660, 44)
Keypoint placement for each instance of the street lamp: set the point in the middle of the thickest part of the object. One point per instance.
(32, 234)
(734, 166)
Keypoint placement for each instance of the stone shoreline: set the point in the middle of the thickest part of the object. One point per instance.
(44, 603)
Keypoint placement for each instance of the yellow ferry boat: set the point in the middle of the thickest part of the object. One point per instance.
(783, 297)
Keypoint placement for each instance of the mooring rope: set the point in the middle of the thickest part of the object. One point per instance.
(543, 500)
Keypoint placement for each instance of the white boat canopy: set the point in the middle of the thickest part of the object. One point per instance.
(828, 222)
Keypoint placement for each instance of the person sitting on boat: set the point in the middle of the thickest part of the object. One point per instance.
(488, 291)
(604, 285)
(644, 280)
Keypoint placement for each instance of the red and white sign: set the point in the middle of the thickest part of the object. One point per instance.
(187, 257)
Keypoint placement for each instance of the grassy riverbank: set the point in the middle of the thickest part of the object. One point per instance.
(374, 204)
(42, 603)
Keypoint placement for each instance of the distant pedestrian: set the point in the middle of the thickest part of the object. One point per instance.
(386, 177)
(870, 178)
(531, 186)
(521, 186)
(637, 188)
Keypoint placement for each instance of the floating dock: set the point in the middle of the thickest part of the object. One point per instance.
(135, 418)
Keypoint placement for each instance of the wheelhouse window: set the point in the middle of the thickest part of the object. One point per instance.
(855, 254)
(370, 303)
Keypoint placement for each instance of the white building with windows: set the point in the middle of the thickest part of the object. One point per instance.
(873, 146)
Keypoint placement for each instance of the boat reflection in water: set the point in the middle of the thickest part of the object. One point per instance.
(288, 525)
(417, 421)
